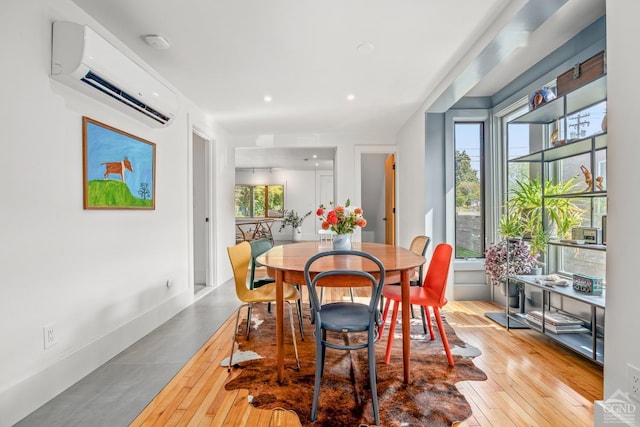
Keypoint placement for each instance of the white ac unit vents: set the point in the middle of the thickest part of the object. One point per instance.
(87, 62)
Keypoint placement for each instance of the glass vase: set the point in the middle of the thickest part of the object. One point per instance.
(342, 242)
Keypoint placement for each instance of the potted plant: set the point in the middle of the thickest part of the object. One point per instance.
(508, 257)
(295, 221)
(523, 217)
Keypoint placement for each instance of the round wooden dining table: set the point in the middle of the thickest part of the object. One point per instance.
(286, 264)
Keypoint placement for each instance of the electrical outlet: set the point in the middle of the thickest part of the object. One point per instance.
(633, 382)
(50, 336)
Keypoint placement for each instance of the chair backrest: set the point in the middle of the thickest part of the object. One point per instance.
(349, 270)
(240, 257)
(436, 279)
(258, 247)
(419, 246)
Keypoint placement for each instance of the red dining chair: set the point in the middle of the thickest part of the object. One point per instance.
(430, 294)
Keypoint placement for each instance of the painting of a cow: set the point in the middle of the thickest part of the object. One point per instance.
(117, 168)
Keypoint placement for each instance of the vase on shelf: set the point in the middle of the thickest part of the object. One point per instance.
(342, 242)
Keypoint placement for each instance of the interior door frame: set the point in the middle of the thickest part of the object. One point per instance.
(373, 149)
(209, 185)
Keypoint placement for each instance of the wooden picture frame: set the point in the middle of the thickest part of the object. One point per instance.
(118, 168)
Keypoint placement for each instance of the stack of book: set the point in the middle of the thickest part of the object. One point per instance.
(555, 322)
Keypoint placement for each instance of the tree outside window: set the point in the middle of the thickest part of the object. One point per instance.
(259, 201)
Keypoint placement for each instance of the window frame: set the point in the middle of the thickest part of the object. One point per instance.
(252, 205)
(460, 116)
(481, 177)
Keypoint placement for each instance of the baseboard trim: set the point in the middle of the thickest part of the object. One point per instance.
(22, 398)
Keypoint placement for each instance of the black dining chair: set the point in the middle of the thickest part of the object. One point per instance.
(345, 317)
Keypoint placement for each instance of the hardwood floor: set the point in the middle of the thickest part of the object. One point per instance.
(531, 381)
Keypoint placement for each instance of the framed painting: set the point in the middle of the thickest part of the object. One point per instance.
(119, 168)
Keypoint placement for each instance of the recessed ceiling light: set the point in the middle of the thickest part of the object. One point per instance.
(315, 156)
(365, 48)
(317, 164)
(156, 41)
(351, 97)
(267, 98)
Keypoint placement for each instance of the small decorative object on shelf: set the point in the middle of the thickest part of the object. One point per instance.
(590, 235)
(588, 179)
(587, 284)
(541, 97)
(341, 221)
(581, 73)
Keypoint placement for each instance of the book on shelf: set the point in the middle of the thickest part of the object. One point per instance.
(572, 326)
(555, 318)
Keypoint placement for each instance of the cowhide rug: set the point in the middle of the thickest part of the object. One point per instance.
(431, 399)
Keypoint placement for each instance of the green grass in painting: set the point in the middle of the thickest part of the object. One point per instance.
(110, 193)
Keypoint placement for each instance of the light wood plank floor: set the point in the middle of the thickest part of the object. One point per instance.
(531, 381)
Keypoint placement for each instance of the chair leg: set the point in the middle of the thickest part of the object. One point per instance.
(373, 379)
(249, 320)
(443, 335)
(413, 315)
(424, 319)
(384, 318)
(351, 293)
(293, 334)
(319, 368)
(429, 323)
(299, 303)
(233, 338)
(392, 330)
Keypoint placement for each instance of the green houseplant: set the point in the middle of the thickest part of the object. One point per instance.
(526, 235)
(295, 221)
(524, 212)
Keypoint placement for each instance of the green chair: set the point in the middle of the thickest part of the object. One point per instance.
(258, 247)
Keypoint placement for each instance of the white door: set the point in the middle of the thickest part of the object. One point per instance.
(201, 218)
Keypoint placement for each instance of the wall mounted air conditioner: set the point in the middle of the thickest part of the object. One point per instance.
(85, 61)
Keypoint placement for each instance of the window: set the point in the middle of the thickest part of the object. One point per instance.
(469, 182)
(259, 201)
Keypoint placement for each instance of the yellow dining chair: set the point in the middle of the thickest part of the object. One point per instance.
(240, 257)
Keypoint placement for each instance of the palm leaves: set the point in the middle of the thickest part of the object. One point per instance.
(526, 209)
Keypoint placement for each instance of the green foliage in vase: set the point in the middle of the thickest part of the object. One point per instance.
(293, 219)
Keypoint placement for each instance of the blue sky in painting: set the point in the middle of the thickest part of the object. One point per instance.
(105, 145)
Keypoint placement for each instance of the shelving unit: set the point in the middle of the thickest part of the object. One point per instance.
(555, 164)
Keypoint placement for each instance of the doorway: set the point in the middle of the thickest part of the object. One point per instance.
(375, 187)
(201, 213)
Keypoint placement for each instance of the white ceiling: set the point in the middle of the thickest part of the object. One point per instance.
(227, 55)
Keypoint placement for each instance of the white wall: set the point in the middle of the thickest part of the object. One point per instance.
(99, 275)
(623, 291)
